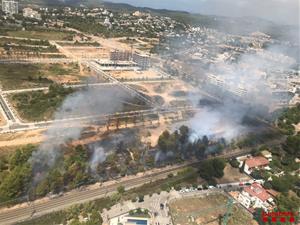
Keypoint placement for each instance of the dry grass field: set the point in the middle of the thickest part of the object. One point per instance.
(18, 76)
(232, 175)
(206, 210)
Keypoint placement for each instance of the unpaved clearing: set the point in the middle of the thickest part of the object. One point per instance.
(21, 138)
(147, 74)
(232, 175)
(88, 52)
(2, 119)
(65, 79)
(112, 43)
(166, 90)
(206, 210)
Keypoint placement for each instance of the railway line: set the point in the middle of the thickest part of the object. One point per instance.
(39, 208)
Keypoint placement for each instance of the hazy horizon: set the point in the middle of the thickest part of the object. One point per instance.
(279, 11)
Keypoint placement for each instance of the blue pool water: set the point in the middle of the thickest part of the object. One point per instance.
(138, 222)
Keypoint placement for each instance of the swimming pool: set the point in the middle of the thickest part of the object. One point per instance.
(137, 221)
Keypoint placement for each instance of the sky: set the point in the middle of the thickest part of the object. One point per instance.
(279, 11)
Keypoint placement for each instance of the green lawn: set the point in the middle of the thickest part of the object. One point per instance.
(16, 76)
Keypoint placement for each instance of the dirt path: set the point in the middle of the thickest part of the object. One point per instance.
(2, 120)
(21, 138)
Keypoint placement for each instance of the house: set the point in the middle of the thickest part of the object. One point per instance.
(258, 162)
(241, 159)
(255, 196)
(30, 13)
(267, 155)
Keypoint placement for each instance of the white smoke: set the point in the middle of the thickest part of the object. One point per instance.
(90, 101)
(251, 74)
(215, 124)
(99, 156)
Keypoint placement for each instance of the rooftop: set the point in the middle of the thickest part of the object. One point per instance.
(266, 153)
(257, 161)
(256, 190)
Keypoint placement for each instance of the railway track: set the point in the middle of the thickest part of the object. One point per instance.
(39, 208)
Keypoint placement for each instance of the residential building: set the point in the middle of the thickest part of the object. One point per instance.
(255, 196)
(258, 162)
(10, 6)
(267, 155)
(120, 55)
(143, 61)
(30, 13)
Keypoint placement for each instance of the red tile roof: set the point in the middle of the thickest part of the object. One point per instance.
(256, 190)
(272, 192)
(257, 161)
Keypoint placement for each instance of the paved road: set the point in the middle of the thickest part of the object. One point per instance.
(91, 85)
(13, 215)
(95, 118)
(8, 113)
(6, 110)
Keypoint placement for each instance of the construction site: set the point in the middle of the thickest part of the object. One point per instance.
(150, 100)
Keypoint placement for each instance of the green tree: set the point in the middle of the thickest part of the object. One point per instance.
(43, 188)
(121, 189)
(292, 145)
(184, 134)
(234, 163)
(95, 218)
(205, 140)
(256, 174)
(21, 156)
(56, 181)
(213, 168)
(287, 203)
(167, 142)
(141, 198)
(283, 183)
(16, 183)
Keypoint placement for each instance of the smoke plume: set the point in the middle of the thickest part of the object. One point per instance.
(98, 157)
(85, 102)
(245, 87)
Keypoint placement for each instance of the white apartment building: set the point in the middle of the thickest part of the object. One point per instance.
(10, 6)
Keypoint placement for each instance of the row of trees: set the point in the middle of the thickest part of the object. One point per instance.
(180, 142)
(15, 174)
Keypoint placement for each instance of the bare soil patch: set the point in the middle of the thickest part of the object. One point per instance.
(232, 175)
(206, 210)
